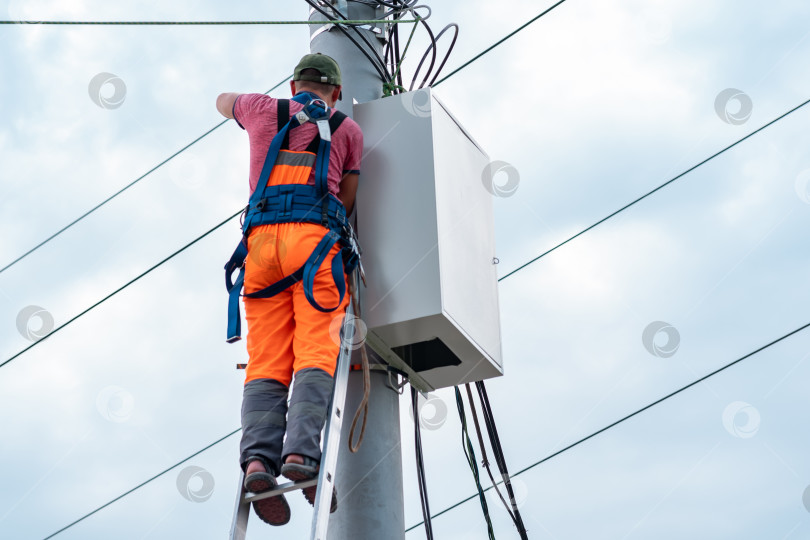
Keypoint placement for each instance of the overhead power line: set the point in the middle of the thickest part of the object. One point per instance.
(668, 182)
(488, 49)
(121, 288)
(123, 189)
(212, 23)
(629, 416)
(155, 477)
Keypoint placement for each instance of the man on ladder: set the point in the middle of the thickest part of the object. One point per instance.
(304, 169)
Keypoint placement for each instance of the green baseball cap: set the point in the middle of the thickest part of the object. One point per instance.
(326, 66)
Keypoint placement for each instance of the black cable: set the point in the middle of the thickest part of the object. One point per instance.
(500, 459)
(120, 191)
(396, 55)
(629, 416)
(391, 55)
(449, 50)
(392, 51)
(155, 477)
(412, 8)
(121, 288)
(431, 48)
(628, 205)
(484, 458)
(399, 4)
(362, 36)
(420, 465)
(485, 51)
(388, 51)
(469, 453)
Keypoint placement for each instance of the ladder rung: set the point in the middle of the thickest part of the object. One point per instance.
(280, 490)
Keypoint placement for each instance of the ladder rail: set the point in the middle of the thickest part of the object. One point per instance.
(331, 443)
(241, 512)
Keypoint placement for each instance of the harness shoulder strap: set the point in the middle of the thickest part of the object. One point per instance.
(284, 117)
(334, 122)
(283, 113)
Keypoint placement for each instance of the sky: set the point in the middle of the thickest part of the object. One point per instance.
(593, 105)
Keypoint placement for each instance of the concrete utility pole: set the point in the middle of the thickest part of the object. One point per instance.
(369, 483)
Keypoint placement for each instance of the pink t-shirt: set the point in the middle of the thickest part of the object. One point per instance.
(258, 115)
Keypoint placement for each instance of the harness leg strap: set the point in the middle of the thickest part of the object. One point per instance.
(307, 272)
(313, 264)
(234, 317)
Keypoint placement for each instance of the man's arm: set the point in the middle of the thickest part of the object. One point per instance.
(225, 103)
(348, 190)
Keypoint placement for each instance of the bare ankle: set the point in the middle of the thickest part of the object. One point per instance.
(255, 466)
(295, 458)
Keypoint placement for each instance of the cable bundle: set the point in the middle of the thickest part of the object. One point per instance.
(388, 66)
(420, 465)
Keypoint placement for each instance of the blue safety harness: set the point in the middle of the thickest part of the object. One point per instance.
(296, 203)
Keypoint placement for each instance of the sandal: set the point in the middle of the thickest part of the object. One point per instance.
(272, 510)
(297, 472)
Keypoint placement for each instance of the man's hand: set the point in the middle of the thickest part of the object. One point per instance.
(225, 104)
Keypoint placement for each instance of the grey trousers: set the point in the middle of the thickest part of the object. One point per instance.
(266, 418)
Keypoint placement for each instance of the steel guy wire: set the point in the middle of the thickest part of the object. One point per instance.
(668, 182)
